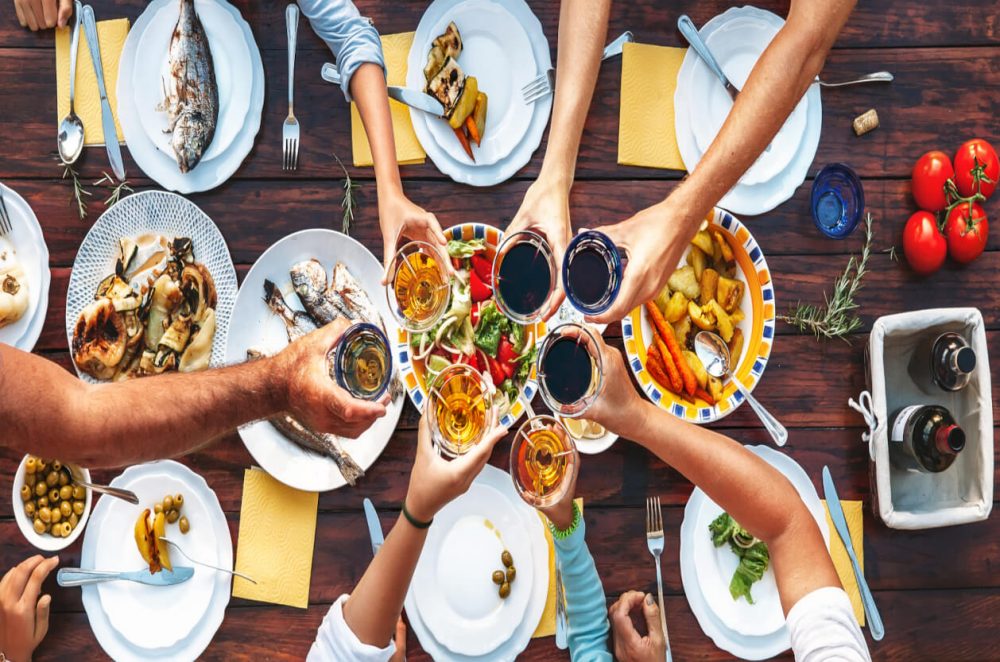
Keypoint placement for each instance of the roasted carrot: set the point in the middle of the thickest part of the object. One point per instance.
(665, 332)
(704, 395)
(655, 367)
(462, 138)
(669, 366)
(470, 124)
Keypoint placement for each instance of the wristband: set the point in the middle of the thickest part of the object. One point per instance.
(562, 534)
(417, 524)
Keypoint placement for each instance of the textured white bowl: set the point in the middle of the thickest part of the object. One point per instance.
(45, 541)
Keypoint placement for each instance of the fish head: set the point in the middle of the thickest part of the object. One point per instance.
(309, 275)
(190, 140)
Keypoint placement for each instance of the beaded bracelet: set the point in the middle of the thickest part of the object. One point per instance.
(414, 521)
(562, 534)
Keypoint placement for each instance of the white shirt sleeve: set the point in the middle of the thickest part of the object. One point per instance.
(335, 642)
(352, 39)
(822, 628)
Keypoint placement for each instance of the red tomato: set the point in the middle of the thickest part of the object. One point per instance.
(474, 313)
(472, 360)
(483, 268)
(923, 243)
(506, 355)
(966, 234)
(976, 155)
(456, 263)
(930, 173)
(479, 290)
(496, 370)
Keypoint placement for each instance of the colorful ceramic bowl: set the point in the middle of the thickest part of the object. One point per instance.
(757, 326)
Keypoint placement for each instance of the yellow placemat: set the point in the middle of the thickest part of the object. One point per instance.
(87, 102)
(547, 623)
(646, 125)
(277, 534)
(855, 518)
(395, 49)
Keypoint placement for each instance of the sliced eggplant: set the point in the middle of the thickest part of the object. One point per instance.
(447, 85)
(450, 41)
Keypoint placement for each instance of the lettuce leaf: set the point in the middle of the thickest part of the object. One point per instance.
(491, 326)
(463, 249)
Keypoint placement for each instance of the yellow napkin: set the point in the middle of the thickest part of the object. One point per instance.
(87, 102)
(395, 49)
(547, 623)
(277, 534)
(853, 515)
(646, 125)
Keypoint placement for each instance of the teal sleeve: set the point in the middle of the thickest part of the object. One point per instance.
(586, 607)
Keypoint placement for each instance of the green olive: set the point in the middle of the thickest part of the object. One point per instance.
(184, 525)
(29, 509)
(504, 590)
(25, 493)
(52, 479)
(56, 465)
(55, 515)
(168, 503)
(55, 530)
(507, 559)
(42, 501)
(65, 492)
(41, 488)
(74, 519)
(78, 507)
(31, 480)
(511, 574)
(53, 496)
(79, 492)
(178, 500)
(172, 516)
(45, 514)
(39, 526)
(67, 529)
(498, 577)
(30, 465)
(63, 479)
(158, 508)
(66, 508)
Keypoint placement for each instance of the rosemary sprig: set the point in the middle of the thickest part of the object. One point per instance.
(119, 189)
(349, 203)
(835, 318)
(78, 190)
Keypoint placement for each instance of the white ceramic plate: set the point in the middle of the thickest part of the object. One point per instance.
(233, 74)
(138, 622)
(255, 326)
(26, 244)
(156, 212)
(160, 166)
(460, 169)
(515, 645)
(46, 542)
(711, 603)
(453, 584)
(749, 200)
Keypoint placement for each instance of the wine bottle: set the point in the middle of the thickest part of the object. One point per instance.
(946, 360)
(925, 438)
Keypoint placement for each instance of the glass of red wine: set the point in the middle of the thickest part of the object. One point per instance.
(570, 370)
(592, 272)
(524, 276)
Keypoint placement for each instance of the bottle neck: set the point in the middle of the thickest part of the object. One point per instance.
(949, 439)
(962, 360)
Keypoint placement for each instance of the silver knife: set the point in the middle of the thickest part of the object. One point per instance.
(840, 523)
(690, 32)
(374, 527)
(561, 625)
(81, 577)
(107, 117)
(412, 98)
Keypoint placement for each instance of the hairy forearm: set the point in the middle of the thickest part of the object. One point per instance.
(583, 25)
(368, 88)
(377, 601)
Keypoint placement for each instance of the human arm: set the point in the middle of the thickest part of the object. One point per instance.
(656, 237)
(24, 617)
(583, 25)
(50, 413)
(42, 14)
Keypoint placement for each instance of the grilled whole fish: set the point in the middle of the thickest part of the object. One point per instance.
(192, 95)
(325, 305)
(324, 444)
(297, 323)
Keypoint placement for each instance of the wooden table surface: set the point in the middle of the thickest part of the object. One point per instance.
(937, 590)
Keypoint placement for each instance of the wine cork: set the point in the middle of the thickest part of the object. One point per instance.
(866, 122)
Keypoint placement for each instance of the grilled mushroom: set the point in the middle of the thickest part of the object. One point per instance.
(99, 339)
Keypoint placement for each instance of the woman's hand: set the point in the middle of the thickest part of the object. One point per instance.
(630, 646)
(401, 219)
(618, 406)
(435, 481)
(41, 14)
(561, 512)
(24, 617)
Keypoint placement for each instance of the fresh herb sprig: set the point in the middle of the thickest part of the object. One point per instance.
(836, 318)
(349, 203)
(119, 189)
(79, 191)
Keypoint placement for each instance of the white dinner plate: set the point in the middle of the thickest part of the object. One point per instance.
(255, 326)
(453, 584)
(458, 167)
(157, 212)
(744, 199)
(230, 60)
(161, 166)
(744, 630)
(26, 244)
(515, 645)
(138, 622)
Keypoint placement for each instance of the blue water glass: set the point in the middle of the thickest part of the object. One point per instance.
(364, 332)
(837, 201)
(601, 244)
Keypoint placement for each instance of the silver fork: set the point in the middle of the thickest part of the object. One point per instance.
(177, 546)
(561, 624)
(290, 129)
(5, 225)
(541, 85)
(654, 540)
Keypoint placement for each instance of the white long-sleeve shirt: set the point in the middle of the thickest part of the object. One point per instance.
(351, 37)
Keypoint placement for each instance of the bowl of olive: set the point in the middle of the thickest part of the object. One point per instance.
(49, 506)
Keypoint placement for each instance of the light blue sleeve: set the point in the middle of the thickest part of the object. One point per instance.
(586, 606)
(352, 38)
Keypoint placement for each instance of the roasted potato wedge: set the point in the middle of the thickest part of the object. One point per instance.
(737, 316)
(682, 330)
(697, 259)
(662, 299)
(723, 322)
(729, 293)
(709, 283)
(701, 316)
(684, 280)
(676, 308)
(700, 374)
(736, 345)
(715, 388)
(703, 240)
(724, 247)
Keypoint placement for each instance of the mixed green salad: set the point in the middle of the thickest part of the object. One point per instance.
(474, 331)
(753, 554)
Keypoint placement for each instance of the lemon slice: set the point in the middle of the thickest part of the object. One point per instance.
(593, 430)
(576, 427)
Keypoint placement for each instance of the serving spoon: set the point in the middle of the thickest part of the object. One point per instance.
(70, 139)
(117, 492)
(714, 355)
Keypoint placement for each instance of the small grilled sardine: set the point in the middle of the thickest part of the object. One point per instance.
(354, 296)
(323, 444)
(297, 323)
(309, 279)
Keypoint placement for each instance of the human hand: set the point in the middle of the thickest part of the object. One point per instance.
(545, 210)
(654, 240)
(400, 639)
(435, 481)
(630, 646)
(313, 396)
(399, 218)
(41, 14)
(618, 404)
(24, 617)
(561, 512)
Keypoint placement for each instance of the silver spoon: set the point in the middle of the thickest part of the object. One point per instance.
(877, 77)
(176, 546)
(70, 138)
(117, 492)
(714, 354)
